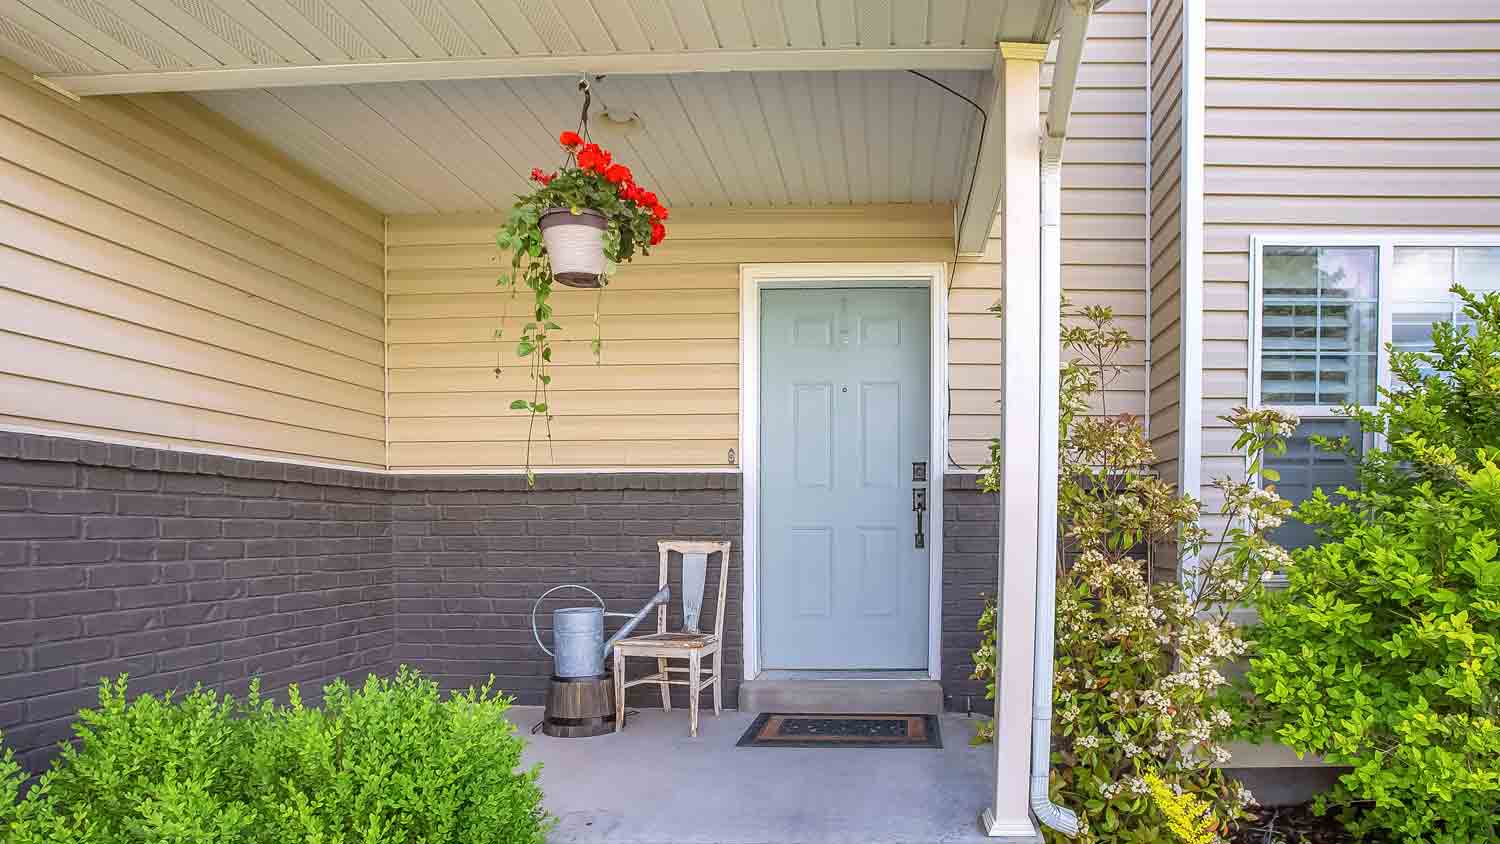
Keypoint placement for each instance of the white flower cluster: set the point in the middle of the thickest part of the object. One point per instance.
(1153, 699)
(1275, 558)
(1212, 642)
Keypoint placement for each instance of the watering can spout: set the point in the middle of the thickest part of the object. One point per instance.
(661, 597)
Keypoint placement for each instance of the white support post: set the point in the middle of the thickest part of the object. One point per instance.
(1018, 74)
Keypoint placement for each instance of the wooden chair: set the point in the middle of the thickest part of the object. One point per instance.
(689, 643)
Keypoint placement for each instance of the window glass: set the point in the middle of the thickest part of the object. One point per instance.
(1306, 467)
(1320, 333)
(1320, 329)
(1422, 274)
(1423, 278)
(1478, 268)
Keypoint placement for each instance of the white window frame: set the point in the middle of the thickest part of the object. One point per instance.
(1386, 246)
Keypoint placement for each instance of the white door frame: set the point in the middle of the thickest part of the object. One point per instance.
(757, 277)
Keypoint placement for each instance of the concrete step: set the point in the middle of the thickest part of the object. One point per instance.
(855, 695)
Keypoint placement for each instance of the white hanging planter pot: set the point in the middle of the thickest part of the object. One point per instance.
(575, 245)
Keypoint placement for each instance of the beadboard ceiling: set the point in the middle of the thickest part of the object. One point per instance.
(704, 139)
(104, 36)
(437, 106)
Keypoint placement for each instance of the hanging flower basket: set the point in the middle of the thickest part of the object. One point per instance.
(575, 245)
(571, 229)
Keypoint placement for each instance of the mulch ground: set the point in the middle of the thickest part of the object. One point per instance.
(1291, 825)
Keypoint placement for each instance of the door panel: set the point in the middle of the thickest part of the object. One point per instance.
(844, 415)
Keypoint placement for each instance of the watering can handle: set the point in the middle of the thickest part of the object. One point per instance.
(536, 634)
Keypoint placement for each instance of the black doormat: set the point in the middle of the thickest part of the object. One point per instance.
(771, 729)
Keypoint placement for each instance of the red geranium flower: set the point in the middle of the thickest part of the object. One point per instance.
(659, 212)
(647, 199)
(569, 139)
(593, 157)
(538, 176)
(658, 231)
(617, 173)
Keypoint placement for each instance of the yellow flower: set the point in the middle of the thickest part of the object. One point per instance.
(1189, 819)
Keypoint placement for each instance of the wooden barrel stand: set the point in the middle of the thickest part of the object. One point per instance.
(578, 707)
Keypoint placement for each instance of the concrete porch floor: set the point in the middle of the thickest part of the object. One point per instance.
(651, 784)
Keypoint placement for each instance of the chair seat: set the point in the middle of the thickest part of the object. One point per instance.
(686, 641)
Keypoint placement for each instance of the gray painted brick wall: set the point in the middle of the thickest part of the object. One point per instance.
(472, 554)
(179, 569)
(184, 569)
(971, 554)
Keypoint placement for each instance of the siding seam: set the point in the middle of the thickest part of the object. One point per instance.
(1190, 297)
(1150, 231)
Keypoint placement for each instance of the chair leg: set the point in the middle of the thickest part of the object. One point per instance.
(718, 683)
(695, 665)
(666, 688)
(619, 690)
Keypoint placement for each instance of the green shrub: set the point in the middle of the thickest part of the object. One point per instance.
(1384, 651)
(1140, 653)
(389, 762)
(11, 778)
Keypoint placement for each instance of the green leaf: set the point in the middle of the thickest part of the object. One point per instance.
(518, 404)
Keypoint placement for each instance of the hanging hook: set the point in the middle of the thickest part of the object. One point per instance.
(587, 91)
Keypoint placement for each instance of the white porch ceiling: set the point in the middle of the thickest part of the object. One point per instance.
(426, 106)
(706, 139)
(124, 46)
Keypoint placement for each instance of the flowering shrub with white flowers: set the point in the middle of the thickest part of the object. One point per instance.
(1144, 599)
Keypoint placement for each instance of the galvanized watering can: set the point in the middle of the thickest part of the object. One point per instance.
(578, 632)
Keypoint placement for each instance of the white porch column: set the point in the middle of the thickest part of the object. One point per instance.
(1018, 74)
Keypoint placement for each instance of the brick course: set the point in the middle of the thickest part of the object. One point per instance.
(188, 568)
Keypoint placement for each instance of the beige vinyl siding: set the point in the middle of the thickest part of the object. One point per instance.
(1104, 196)
(167, 281)
(1103, 235)
(1166, 233)
(666, 393)
(1339, 117)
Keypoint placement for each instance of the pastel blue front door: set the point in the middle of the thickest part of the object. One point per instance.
(844, 416)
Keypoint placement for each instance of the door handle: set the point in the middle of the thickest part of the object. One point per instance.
(919, 506)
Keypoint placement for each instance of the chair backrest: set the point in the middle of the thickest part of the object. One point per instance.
(694, 581)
